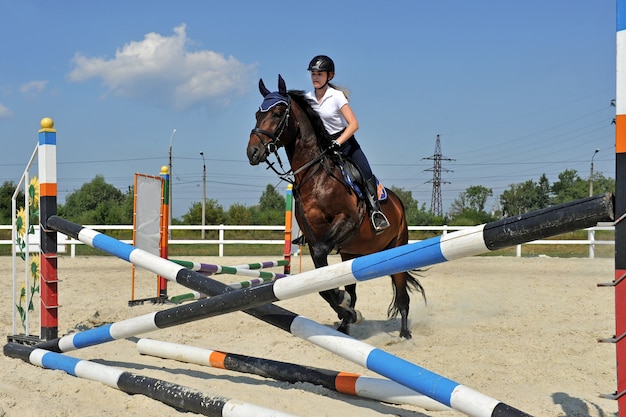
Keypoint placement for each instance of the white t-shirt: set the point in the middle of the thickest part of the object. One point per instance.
(329, 109)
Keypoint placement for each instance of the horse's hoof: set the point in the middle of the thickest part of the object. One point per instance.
(343, 329)
(406, 334)
(359, 317)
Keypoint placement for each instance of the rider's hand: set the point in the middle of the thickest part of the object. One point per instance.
(334, 145)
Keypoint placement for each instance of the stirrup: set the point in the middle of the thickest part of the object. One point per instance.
(379, 221)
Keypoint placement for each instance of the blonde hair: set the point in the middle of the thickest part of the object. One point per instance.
(344, 90)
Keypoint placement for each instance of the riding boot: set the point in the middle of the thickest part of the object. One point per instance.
(377, 217)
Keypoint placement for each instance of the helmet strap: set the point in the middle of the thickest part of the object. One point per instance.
(328, 78)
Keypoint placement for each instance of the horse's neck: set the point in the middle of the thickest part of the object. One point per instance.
(305, 147)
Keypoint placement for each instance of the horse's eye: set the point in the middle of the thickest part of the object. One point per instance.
(276, 115)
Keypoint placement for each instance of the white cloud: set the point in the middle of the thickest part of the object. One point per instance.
(162, 69)
(33, 86)
(5, 112)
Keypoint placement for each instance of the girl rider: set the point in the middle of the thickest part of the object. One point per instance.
(341, 123)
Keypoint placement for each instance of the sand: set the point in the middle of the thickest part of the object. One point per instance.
(521, 330)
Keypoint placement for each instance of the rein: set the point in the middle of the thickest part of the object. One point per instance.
(271, 141)
(272, 147)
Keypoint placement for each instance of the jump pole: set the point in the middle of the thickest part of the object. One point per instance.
(346, 383)
(232, 270)
(174, 395)
(491, 236)
(195, 295)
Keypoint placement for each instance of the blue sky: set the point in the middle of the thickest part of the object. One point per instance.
(514, 89)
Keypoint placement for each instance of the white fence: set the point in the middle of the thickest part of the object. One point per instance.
(221, 241)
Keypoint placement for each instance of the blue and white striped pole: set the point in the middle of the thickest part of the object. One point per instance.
(168, 393)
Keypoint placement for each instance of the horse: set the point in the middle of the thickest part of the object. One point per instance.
(327, 208)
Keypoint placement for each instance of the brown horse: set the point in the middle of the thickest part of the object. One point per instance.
(328, 210)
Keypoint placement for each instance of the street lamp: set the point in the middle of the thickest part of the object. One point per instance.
(169, 214)
(591, 173)
(203, 192)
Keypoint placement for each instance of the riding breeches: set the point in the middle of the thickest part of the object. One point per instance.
(352, 150)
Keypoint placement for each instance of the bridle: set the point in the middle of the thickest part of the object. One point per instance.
(272, 146)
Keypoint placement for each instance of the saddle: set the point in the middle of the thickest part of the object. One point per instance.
(352, 175)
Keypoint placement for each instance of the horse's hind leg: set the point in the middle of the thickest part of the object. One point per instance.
(400, 303)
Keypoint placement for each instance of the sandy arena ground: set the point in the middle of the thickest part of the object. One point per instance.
(520, 330)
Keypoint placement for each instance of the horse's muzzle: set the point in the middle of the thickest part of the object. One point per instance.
(256, 154)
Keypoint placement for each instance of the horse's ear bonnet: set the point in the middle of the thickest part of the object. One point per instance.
(272, 99)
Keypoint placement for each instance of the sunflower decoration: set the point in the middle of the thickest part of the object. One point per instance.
(20, 223)
(34, 288)
(19, 307)
(33, 195)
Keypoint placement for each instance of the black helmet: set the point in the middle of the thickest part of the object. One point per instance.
(322, 63)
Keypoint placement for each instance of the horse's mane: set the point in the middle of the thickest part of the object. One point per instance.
(323, 138)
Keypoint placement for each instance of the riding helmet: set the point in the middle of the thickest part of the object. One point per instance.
(322, 63)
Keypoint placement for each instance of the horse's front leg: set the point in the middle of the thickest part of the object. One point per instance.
(340, 301)
(355, 315)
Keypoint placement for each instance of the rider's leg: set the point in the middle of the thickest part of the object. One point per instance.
(377, 217)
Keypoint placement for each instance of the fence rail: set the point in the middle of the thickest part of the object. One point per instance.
(65, 241)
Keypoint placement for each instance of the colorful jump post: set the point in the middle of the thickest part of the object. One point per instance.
(620, 209)
(491, 236)
(165, 226)
(168, 393)
(47, 155)
(288, 228)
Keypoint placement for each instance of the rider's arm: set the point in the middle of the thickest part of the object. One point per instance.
(353, 123)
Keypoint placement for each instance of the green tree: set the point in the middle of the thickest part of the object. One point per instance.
(6, 193)
(271, 199)
(239, 214)
(543, 192)
(520, 198)
(602, 184)
(469, 207)
(473, 198)
(214, 213)
(415, 215)
(569, 187)
(271, 208)
(97, 202)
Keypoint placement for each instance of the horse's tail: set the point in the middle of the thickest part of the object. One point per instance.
(412, 283)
